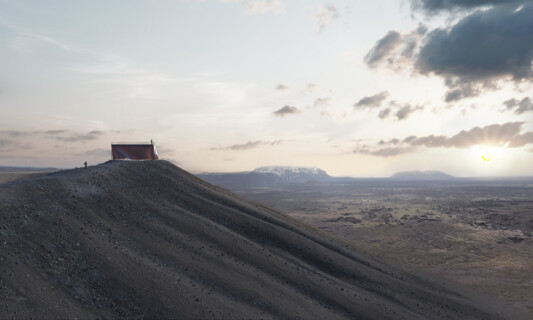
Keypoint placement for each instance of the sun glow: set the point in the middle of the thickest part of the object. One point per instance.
(488, 155)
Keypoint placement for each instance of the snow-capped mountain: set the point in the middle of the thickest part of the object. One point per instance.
(294, 174)
(266, 176)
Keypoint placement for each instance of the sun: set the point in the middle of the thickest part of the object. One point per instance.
(489, 155)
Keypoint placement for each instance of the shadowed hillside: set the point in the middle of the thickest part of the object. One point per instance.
(147, 239)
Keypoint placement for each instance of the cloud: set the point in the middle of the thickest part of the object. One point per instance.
(384, 152)
(54, 131)
(250, 145)
(14, 133)
(406, 111)
(461, 90)
(494, 134)
(285, 111)
(396, 50)
(384, 113)
(521, 140)
(262, 6)
(282, 87)
(372, 101)
(519, 107)
(77, 137)
(96, 153)
(9, 145)
(383, 48)
(506, 135)
(433, 6)
(311, 87)
(321, 102)
(461, 51)
(61, 135)
(401, 112)
(325, 16)
(4, 143)
(257, 6)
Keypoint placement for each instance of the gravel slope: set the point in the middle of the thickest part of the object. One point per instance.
(149, 240)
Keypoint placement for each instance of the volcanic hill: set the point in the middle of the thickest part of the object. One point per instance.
(149, 240)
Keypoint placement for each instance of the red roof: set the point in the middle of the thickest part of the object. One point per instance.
(134, 152)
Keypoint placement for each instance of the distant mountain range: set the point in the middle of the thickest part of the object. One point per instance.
(422, 176)
(267, 176)
(282, 175)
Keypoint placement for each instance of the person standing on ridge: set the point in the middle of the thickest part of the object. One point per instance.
(85, 163)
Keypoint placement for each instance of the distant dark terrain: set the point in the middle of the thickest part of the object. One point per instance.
(422, 176)
(474, 231)
(149, 240)
(10, 173)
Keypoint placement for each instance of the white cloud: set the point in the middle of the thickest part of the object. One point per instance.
(261, 6)
(257, 6)
(325, 16)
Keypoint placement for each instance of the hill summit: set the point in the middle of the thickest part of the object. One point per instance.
(145, 239)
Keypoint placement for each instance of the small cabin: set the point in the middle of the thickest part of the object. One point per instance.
(134, 152)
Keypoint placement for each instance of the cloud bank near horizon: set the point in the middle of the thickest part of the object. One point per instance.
(507, 135)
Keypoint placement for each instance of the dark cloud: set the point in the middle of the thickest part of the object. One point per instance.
(406, 111)
(402, 111)
(460, 90)
(372, 101)
(285, 111)
(433, 6)
(383, 48)
(480, 51)
(396, 50)
(482, 46)
(519, 107)
(282, 87)
(384, 113)
(250, 145)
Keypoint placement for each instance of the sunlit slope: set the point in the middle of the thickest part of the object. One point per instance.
(147, 239)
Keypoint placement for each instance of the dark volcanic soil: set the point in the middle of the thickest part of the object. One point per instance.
(147, 239)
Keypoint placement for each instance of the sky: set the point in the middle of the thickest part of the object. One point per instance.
(357, 88)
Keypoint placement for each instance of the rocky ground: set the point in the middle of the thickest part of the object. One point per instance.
(476, 232)
(148, 240)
